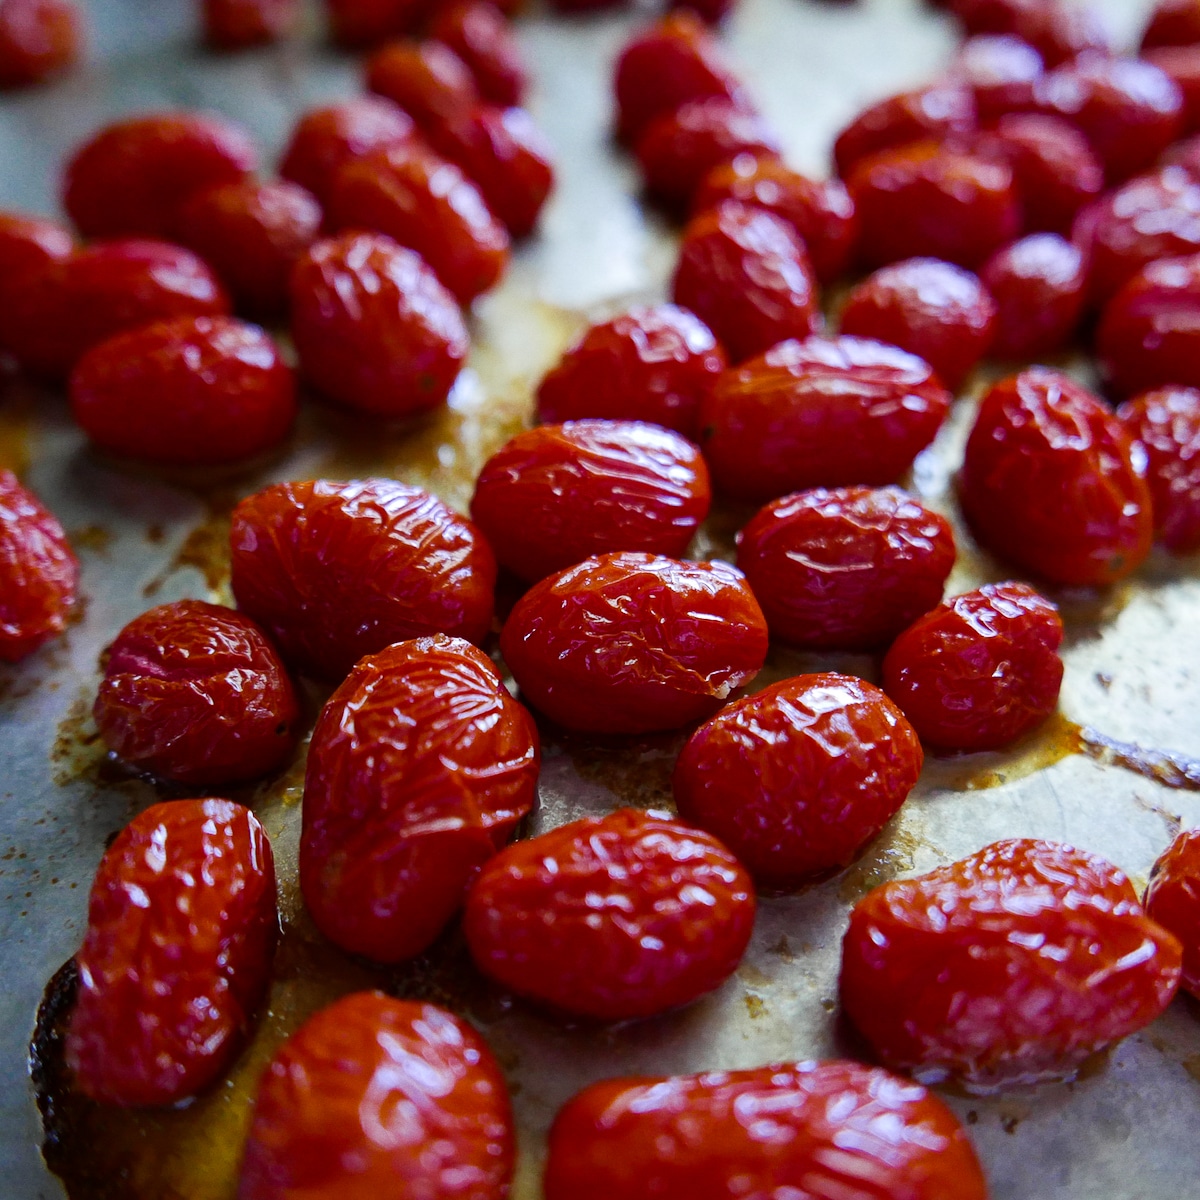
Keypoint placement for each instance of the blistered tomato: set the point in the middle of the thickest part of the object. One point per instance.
(420, 767)
(478, 33)
(233, 24)
(612, 917)
(1173, 900)
(426, 79)
(1038, 286)
(38, 38)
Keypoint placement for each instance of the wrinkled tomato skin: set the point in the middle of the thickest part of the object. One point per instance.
(374, 328)
(298, 568)
(421, 766)
(320, 1126)
(979, 671)
(1167, 424)
(820, 413)
(611, 918)
(192, 391)
(1000, 70)
(169, 988)
(1172, 23)
(845, 569)
(558, 494)
(194, 693)
(797, 779)
(38, 39)
(831, 1128)
(745, 274)
(648, 364)
(237, 24)
(1049, 482)
(1173, 900)
(478, 33)
(39, 574)
(1006, 968)
(633, 643)
(425, 78)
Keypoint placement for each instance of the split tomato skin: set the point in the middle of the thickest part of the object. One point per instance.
(1173, 900)
(1005, 969)
(176, 961)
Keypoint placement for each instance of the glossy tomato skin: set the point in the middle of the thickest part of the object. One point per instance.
(845, 568)
(834, 1127)
(611, 918)
(236, 24)
(1050, 482)
(820, 413)
(555, 495)
(1182, 65)
(169, 988)
(979, 671)
(798, 778)
(1173, 900)
(478, 33)
(374, 328)
(1058, 31)
(363, 24)
(300, 555)
(425, 78)
(632, 643)
(38, 39)
(28, 242)
(648, 364)
(191, 391)
(745, 274)
(1038, 285)
(1006, 968)
(420, 768)
(1000, 70)
(39, 573)
(319, 1127)
(1172, 23)
(196, 694)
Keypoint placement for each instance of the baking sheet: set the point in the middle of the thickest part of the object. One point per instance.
(1125, 1132)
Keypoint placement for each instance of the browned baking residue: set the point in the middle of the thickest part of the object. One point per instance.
(77, 750)
(91, 537)
(1192, 1066)
(1163, 766)
(16, 417)
(890, 856)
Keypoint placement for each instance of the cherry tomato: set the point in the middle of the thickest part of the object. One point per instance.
(803, 1129)
(177, 957)
(478, 33)
(334, 571)
(845, 569)
(556, 495)
(425, 78)
(38, 572)
(745, 273)
(651, 364)
(1038, 286)
(1005, 969)
(612, 918)
(1058, 30)
(1049, 482)
(234, 24)
(1173, 900)
(189, 391)
(194, 693)
(38, 38)
(712, 12)
(820, 413)
(420, 768)
(378, 1097)
(999, 69)
(1182, 65)
(1172, 23)
(1184, 153)
(28, 242)
(362, 24)
(632, 643)
(374, 328)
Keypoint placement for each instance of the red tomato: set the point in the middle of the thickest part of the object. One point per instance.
(999, 69)
(1173, 23)
(361, 24)
(420, 768)
(845, 569)
(650, 364)
(28, 242)
(1049, 482)
(425, 78)
(556, 495)
(1182, 65)
(1005, 969)
(194, 693)
(177, 957)
(820, 413)
(1173, 900)
(234, 24)
(712, 12)
(1058, 30)
(632, 643)
(478, 33)
(38, 38)
(378, 1097)
(1038, 287)
(374, 328)
(803, 1129)
(612, 917)
(38, 572)
(338, 570)
(189, 391)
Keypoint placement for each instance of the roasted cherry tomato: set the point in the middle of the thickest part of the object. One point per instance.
(820, 413)
(745, 273)
(797, 779)
(1038, 285)
(361, 24)
(378, 1097)
(420, 767)
(1173, 23)
(194, 693)
(478, 33)
(632, 643)
(558, 494)
(1182, 65)
(1058, 30)
(1005, 969)
(38, 38)
(802, 1129)
(28, 242)
(38, 572)
(234, 24)
(1173, 900)
(177, 957)
(190, 391)
(425, 78)
(1000, 70)
(845, 569)
(1049, 482)
(338, 570)
(374, 328)
(612, 917)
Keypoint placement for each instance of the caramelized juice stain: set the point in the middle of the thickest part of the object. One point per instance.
(17, 406)
(1055, 739)
(892, 854)
(1192, 1066)
(205, 548)
(1163, 766)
